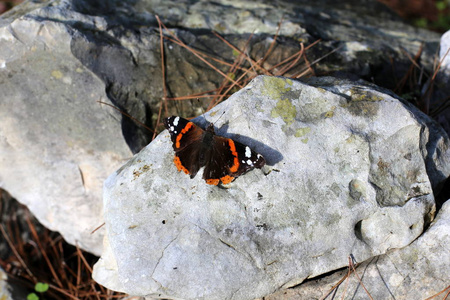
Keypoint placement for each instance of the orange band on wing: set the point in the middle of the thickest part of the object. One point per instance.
(226, 179)
(179, 165)
(235, 167)
(183, 131)
(212, 181)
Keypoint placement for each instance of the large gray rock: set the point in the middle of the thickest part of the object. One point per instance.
(57, 143)
(350, 171)
(415, 272)
(58, 57)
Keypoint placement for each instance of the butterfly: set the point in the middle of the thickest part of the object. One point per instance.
(224, 159)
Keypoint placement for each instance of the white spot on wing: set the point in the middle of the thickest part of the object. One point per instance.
(248, 152)
(175, 121)
(249, 162)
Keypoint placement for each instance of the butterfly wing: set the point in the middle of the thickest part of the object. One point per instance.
(248, 159)
(229, 159)
(220, 162)
(186, 138)
(223, 158)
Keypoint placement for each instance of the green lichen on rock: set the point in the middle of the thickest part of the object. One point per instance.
(362, 107)
(275, 88)
(286, 110)
(302, 131)
(329, 114)
(358, 95)
(362, 103)
(57, 74)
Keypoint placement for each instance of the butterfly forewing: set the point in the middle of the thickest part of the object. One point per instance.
(186, 138)
(183, 132)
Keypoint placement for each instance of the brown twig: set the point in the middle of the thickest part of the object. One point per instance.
(293, 63)
(41, 249)
(227, 91)
(163, 68)
(225, 83)
(249, 59)
(272, 45)
(336, 285)
(308, 68)
(163, 71)
(349, 271)
(293, 56)
(429, 91)
(411, 68)
(180, 43)
(16, 253)
(356, 273)
(98, 227)
(441, 292)
(190, 97)
(127, 115)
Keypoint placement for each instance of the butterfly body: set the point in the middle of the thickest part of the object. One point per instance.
(224, 159)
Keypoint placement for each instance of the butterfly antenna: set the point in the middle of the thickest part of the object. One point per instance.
(218, 118)
(203, 114)
(203, 111)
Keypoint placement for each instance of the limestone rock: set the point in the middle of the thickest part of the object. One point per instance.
(57, 143)
(351, 170)
(415, 272)
(58, 57)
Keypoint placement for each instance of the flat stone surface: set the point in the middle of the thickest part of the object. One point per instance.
(350, 170)
(416, 272)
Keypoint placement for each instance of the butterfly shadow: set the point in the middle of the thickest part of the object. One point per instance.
(271, 155)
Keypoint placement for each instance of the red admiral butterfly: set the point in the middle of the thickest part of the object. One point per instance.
(223, 158)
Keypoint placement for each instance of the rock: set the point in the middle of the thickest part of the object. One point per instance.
(417, 271)
(351, 170)
(444, 53)
(59, 57)
(5, 289)
(367, 44)
(57, 143)
(440, 85)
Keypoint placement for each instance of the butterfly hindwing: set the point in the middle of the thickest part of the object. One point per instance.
(223, 162)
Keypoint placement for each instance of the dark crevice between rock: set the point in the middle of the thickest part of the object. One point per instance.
(125, 91)
(320, 277)
(443, 195)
